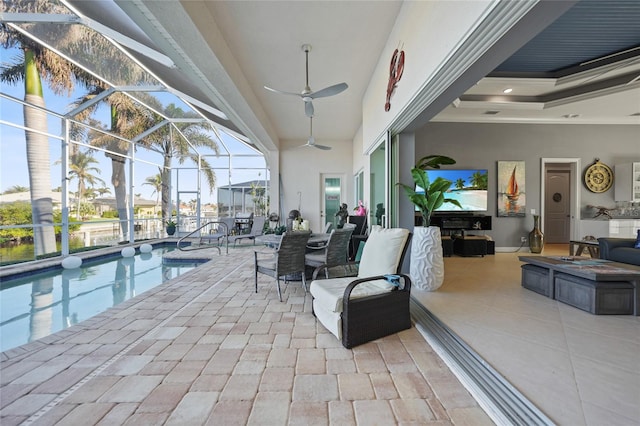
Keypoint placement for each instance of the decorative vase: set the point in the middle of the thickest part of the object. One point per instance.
(536, 237)
(427, 263)
(171, 229)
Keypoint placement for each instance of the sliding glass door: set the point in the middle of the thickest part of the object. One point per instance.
(380, 191)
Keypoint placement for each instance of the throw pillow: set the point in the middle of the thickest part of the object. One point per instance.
(637, 244)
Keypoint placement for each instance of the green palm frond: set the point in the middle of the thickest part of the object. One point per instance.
(430, 195)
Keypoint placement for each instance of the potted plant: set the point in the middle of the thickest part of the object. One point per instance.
(427, 263)
(171, 227)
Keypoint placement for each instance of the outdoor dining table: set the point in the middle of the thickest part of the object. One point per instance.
(273, 240)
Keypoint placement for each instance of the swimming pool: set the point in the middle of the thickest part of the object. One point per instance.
(41, 304)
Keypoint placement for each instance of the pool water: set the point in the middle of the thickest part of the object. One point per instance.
(38, 305)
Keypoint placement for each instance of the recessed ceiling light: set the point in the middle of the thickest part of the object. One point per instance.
(491, 112)
(571, 115)
(507, 90)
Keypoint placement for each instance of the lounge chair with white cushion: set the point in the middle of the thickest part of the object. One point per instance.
(368, 306)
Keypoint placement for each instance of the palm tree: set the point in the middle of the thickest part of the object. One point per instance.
(34, 64)
(460, 183)
(102, 191)
(16, 189)
(128, 120)
(81, 168)
(193, 203)
(90, 193)
(258, 197)
(479, 180)
(156, 182)
(172, 144)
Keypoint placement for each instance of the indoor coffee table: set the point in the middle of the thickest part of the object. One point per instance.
(595, 285)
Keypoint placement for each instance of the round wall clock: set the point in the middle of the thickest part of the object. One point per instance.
(598, 177)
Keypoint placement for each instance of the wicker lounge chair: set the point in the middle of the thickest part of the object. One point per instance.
(257, 228)
(286, 260)
(369, 306)
(331, 254)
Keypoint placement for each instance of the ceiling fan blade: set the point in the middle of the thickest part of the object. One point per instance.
(308, 109)
(281, 92)
(329, 91)
(323, 147)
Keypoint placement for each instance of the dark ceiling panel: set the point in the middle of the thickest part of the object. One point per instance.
(589, 30)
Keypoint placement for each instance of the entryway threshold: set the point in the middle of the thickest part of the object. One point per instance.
(502, 402)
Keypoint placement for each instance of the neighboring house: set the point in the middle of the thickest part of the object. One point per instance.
(145, 207)
(56, 198)
(237, 197)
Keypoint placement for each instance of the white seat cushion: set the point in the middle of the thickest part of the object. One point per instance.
(332, 321)
(268, 263)
(329, 293)
(316, 258)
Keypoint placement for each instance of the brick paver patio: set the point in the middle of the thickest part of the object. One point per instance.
(206, 349)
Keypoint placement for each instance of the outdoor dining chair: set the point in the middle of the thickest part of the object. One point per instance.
(285, 261)
(333, 253)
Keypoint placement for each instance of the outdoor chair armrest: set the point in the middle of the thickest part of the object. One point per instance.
(405, 286)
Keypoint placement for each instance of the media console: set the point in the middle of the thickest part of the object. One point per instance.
(448, 223)
(453, 227)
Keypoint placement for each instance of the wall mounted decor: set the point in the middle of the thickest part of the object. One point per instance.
(598, 177)
(511, 189)
(395, 74)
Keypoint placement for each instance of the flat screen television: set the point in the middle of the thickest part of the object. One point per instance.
(468, 186)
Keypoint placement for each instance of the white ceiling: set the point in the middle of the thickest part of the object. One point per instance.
(263, 40)
(591, 97)
(346, 39)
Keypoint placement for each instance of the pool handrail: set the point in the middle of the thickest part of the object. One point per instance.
(216, 236)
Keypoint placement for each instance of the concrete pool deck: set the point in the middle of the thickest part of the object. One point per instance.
(204, 348)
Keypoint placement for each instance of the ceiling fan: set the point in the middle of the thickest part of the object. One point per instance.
(312, 141)
(309, 95)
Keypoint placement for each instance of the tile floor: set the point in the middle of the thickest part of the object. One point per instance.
(206, 349)
(578, 368)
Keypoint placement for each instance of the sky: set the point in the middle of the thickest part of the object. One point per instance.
(13, 168)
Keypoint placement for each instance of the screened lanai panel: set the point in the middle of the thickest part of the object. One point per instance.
(165, 104)
(113, 63)
(114, 160)
(127, 59)
(29, 187)
(91, 51)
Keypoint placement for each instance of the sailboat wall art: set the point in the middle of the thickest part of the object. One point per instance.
(511, 189)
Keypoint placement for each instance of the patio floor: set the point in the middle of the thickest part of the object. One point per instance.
(204, 348)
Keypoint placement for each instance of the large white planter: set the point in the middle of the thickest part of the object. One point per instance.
(427, 263)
